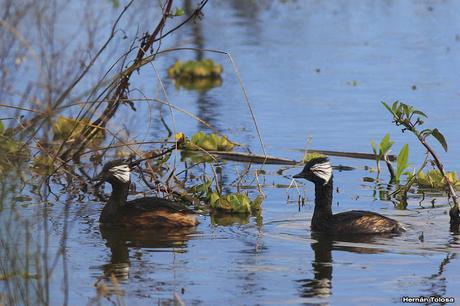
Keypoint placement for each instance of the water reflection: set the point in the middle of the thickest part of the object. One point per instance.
(120, 240)
(197, 31)
(207, 105)
(226, 219)
(436, 282)
(322, 245)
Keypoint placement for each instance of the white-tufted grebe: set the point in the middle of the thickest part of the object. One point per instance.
(147, 212)
(319, 171)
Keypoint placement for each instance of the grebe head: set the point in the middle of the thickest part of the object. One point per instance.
(115, 172)
(317, 170)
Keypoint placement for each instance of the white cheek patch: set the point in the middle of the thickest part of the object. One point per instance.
(323, 171)
(121, 173)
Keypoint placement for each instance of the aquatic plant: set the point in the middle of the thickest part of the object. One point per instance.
(435, 180)
(402, 163)
(43, 164)
(28, 261)
(191, 70)
(9, 146)
(195, 148)
(383, 149)
(207, 142)
(11, 150)
(238, 202)
(200, 75)
(411, 120)
(310, 155)
(69, 129)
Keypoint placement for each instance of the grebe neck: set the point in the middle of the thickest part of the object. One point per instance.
(323, 201)
(116, 201)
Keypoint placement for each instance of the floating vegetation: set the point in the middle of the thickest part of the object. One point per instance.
(207, 142)
(68, 129)
(433, 179)
(205, 68)
(200, 75)
(43, 164)
(310, 155)
(192, 148)
(237, 203)
(8, 145)
(10, 149)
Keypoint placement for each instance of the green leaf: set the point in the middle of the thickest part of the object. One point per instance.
(388, 108)
(417, 112)
(400, 110)
(426, 132)
(401, 163)
(440, 137)
(374, 146)
(406, 109)
(385, 144)
(213, 198)
(395, 106)
(2, 128)
(179, 12)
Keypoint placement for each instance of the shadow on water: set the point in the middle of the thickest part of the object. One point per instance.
(121, 240)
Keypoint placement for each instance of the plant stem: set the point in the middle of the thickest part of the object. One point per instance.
(455, 209)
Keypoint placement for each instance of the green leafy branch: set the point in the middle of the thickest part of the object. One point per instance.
(411, 120)
(381, 153)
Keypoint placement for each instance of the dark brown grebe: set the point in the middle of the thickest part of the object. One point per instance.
(148, 212)
(319, 171)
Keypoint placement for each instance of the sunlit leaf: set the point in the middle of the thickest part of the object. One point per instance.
(208, 142)
(400, 110)
(401, 163)
(180, 137)
(434, 179)
(213, 198)
(374, 146)
(385, 144)
(406, 109)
